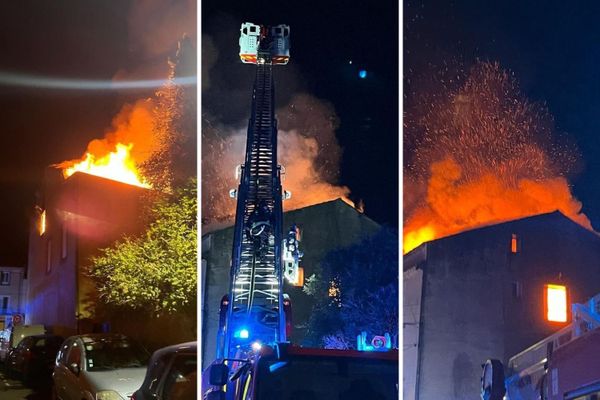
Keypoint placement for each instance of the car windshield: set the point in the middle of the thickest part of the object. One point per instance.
(109, 354)
(326, 378)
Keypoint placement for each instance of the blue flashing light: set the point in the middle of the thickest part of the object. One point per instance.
(277, 365)
(362, 74)
(242, 334)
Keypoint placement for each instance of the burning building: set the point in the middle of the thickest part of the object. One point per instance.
(482, 294)
(323, 227)
(74, 217)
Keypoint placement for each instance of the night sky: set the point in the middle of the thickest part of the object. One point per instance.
(552, 48)
(325, 36)
(100, 40)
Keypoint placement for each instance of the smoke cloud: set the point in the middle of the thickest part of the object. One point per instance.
(307, 145)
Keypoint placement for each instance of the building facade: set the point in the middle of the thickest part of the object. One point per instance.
(73, 219)
(323, 228)
(481, 294)
(12, 293)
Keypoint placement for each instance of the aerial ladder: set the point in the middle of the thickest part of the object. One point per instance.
(256, 312)
(255, 317)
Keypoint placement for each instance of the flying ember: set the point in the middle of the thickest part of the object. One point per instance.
(117, 165)
(480, 153)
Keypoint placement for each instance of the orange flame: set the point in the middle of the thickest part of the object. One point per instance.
(117, 165)
(453, 207)
(482, 154)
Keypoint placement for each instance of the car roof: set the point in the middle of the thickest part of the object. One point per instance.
(99, 336)
(176, 348)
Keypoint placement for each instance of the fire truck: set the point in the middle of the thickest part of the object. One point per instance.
(254, 359)
(564, 365)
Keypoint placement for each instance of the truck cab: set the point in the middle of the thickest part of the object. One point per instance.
(562, 366)
(291, 372)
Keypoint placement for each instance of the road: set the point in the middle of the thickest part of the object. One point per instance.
(12, 389)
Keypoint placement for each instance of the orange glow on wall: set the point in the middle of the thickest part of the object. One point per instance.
(300, 281)
(42, 222)
(513, 244)
(555, 299)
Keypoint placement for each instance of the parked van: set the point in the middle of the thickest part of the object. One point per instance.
(13, 336)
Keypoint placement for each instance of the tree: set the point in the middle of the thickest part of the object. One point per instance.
(356, 289)
(155, 271)
(175, 159)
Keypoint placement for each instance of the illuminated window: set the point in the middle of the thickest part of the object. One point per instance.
(555, 300)
(300, 281)
(335, 293)
(514, 243)
(42, 222)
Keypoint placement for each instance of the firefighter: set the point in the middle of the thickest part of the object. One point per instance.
(260, 229)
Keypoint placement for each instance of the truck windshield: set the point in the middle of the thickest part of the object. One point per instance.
(326, 378)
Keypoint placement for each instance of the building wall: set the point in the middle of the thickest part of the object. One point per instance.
(482, 301)
(324, 227)
(83, 214)
(14, 291)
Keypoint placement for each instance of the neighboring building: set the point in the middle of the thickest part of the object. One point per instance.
(480, 294)
(323, 227)
(74, 218)
(12, 293)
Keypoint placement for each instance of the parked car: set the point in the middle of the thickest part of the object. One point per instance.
(33, 359)
(13, 336)
(171, 375)
(99, 367)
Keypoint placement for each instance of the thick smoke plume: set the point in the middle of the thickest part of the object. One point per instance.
(156, 29)
(307, 145)
(307, 149)
(478, 153)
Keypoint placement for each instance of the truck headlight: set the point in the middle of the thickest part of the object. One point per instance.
(108, 395)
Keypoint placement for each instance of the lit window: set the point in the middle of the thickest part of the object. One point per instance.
(555, 297)
(514, 243)
(300, 278)
(42, 222)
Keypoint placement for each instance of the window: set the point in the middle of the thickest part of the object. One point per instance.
(5, 302)
(181, 380)
(74, 356)
(4, 278)
(514, 244)
(42, 225)
(63, 242)
(517, 289)
(555, 302)
(48, 256)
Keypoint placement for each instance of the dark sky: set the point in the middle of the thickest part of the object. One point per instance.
(82, 39)
(552, 48)
(325, 36)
